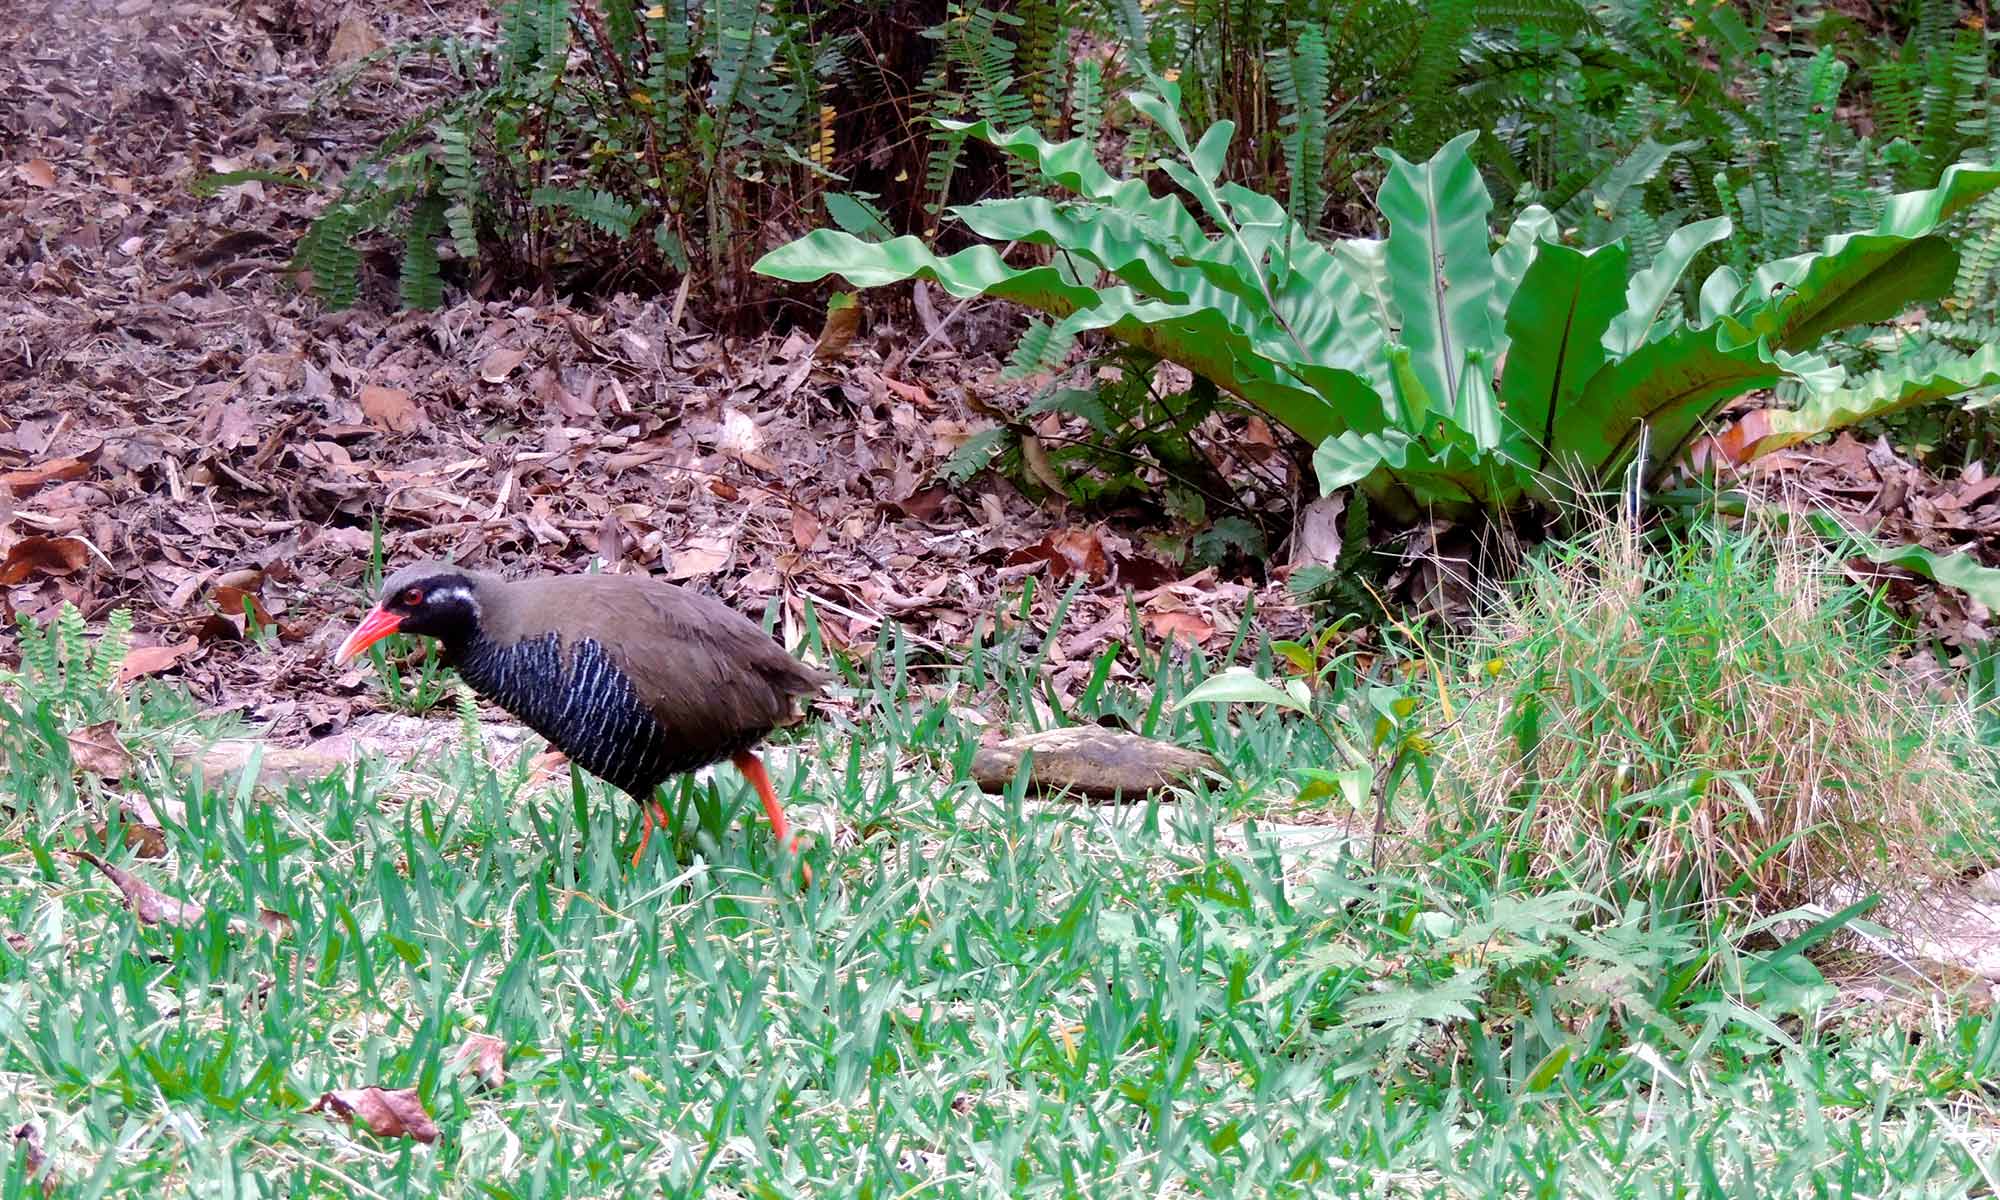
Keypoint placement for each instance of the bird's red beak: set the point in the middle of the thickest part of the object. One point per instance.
(378, 624)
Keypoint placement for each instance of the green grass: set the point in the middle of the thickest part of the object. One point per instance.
(981, 995)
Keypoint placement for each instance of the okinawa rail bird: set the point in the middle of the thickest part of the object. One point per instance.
(635, 680)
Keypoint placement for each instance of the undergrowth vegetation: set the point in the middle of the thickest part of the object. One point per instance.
(1714, 714)
(1000, 995)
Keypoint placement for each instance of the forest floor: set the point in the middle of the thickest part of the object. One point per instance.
(184, 433)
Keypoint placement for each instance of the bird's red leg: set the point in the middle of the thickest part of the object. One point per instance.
(655, 815)
(753, 770)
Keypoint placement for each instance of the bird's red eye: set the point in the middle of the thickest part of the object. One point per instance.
(414, 597)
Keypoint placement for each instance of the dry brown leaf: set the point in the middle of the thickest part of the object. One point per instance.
(39, 555)
(1039, 465)
(149, 905)
(500, 363)
(380, 1111)
(843, 321)
(484, 1057)
(702, 554)
(1183, 625)
(806, 527)
(1068, 552)
(39, 172)
(354, 40)
(144, 834)
(236, 602)
(29, 480)
(922, 505)
(1318, 542)
(145, 661)
(96, 749)
(390, 408)
(912, 392)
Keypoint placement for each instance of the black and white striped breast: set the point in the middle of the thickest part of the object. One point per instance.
(585, 706)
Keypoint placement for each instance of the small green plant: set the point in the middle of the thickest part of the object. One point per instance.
(411, 670)
(64, 670)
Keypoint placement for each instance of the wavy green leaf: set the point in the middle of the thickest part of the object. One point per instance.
(1877, 395)
(1440, 264)
(1648, 292)
(1314, 400)
(1533, 226)
(1353, 456)
(1859, 278)
(1955, 570)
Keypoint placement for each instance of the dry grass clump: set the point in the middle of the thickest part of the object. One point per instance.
(1716, 712)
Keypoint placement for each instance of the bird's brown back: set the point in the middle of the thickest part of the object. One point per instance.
(708, 673)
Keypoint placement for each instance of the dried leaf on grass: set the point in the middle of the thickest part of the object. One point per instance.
(97, 750)
(145, 833)
(482, 1056)
(1183, 625)
(354, 40)
(148, 904)
(1067, 552)
(843, 321)
(141, 661)
(382, 1112)
(39, 555)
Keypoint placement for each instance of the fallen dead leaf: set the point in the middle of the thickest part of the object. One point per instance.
(354, 39)
(1039, 466)
(500, 363)
(843, 321)
(238, 602)
(484, 1057)
(29, 480)
(144, 834)
(380, 1111)
(702, 554)
(141, 661)
(96, 749)
(149, 905)
(39, 172)
(805, 527)
(1318, 542)
(1068, 552)
(913, 392)
(39, 555)
(1182, 625)
(389, 408)
(923, 505)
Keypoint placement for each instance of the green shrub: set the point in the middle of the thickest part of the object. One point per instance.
(594, 137)
(1430, 368)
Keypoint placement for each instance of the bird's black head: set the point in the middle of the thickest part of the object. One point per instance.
(432, 599)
